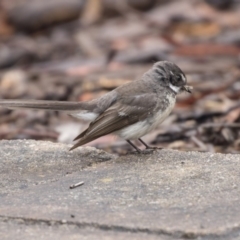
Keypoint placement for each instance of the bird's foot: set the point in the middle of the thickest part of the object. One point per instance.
(142, 152)
(147, 150)
(154, 148)
(147, 146)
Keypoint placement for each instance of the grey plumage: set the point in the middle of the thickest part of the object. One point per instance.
(130, 110)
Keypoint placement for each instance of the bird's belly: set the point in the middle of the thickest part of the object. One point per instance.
(134, 131)
(141, 128)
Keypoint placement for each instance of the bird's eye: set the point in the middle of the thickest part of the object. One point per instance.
(179, 78)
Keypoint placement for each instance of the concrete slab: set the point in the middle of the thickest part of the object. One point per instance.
(164, 195)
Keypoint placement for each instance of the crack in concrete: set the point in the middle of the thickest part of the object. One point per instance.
(225, 234)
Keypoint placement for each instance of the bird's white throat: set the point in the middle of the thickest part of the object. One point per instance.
(176, 89)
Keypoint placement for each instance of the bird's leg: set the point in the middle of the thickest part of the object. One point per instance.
(147, 146)
(137, 149)
(146, 151)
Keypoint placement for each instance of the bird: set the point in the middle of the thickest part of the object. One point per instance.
(130, 111)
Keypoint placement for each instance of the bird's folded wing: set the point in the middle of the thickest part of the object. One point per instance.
(120, 115)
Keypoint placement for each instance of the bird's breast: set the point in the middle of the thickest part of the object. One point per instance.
(141, 128)
(164, 109)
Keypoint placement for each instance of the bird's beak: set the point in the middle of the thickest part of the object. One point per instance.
(187, 88)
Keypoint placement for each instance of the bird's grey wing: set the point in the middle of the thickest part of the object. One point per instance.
(124, 113)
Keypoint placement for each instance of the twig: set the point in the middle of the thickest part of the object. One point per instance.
(76, 185)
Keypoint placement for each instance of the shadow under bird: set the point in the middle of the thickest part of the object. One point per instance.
(130, 111)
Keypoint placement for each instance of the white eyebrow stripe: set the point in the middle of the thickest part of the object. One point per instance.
(183, 78)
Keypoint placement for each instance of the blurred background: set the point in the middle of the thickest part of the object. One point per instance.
(77, 50)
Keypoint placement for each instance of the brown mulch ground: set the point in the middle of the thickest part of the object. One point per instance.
(78, 50)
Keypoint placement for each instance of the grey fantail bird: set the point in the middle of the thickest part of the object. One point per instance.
(129, 111)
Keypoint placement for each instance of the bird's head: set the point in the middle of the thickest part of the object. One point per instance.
(170, 75)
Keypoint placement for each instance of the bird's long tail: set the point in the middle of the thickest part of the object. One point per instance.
(68, 107)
